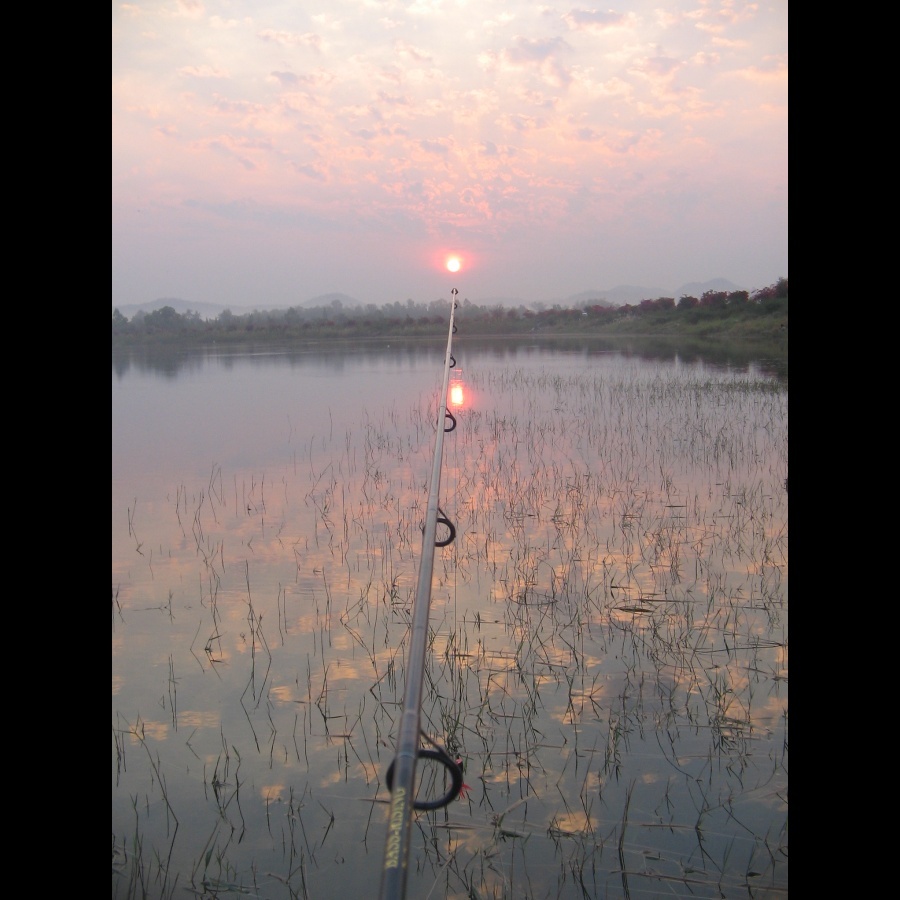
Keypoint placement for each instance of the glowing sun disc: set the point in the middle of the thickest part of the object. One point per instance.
(453, 263)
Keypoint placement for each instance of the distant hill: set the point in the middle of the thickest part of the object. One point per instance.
(205, 310)
(508, 302)
(699, 288)
(330, 300)
(617, 296)
(214, 310)
(629, 293)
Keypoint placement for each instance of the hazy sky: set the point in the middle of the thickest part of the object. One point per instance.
(264, 153)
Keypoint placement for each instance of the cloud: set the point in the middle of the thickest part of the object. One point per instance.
(292, 39)
(315, 171)
(773, 72)
(193, 9)
(439, 147)
(286, 78)
(522, 123)
(219, 22)
(538, 55)
(202, 72)
(405, 50)
(655, 67)
(525, 50)
(594, 21)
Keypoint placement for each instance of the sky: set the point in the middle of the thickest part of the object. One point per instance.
(266, 153)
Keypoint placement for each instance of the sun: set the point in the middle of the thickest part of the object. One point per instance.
(453, 263)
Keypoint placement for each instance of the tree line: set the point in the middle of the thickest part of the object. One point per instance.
(412, 319)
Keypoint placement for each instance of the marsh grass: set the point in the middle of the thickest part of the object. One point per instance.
(607, 653)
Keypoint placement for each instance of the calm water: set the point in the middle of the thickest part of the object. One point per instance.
(609, 646)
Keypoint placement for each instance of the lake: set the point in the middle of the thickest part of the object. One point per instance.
(608, 641)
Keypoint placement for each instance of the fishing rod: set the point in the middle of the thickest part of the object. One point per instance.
(401, 773)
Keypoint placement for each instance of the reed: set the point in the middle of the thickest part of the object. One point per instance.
(607, 653)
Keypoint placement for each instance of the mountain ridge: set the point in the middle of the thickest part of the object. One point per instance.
(617, 296)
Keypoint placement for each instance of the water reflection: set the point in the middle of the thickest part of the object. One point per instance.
(170, 360)
(608, 646)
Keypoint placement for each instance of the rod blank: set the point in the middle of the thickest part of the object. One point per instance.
(403, 768)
